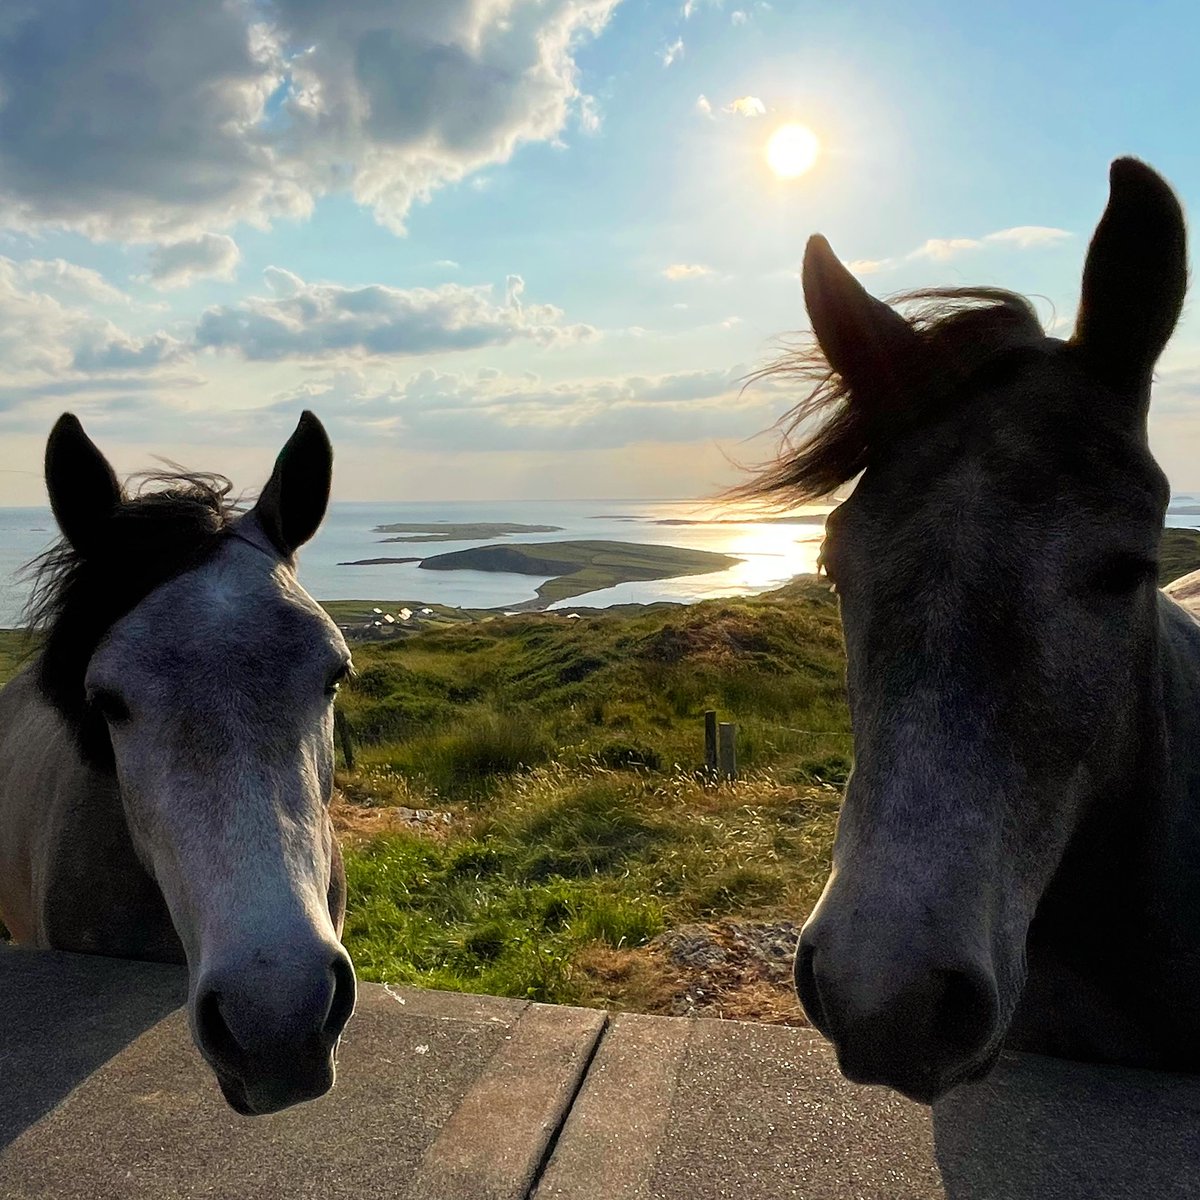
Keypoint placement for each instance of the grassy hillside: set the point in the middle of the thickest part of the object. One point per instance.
(527, 809)
(1178, 553)
(607, 685)
(14, 647)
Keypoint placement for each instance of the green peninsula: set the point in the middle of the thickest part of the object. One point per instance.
(580, 567)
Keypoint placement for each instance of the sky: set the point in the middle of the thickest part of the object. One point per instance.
(530, 248)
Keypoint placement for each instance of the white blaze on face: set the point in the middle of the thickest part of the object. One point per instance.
(225, 760)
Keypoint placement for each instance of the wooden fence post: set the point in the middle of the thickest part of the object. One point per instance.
(728, 750)
(710, 743)
(341, 728)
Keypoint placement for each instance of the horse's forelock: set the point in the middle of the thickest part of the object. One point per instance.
(175, 522)
(963, 330)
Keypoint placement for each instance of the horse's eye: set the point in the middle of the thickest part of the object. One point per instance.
(1124, 573)
(338, 678)
(109, 705)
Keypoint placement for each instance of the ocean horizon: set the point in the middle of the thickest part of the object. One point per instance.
(771, 550)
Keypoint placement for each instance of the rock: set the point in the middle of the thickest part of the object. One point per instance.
(733, 968)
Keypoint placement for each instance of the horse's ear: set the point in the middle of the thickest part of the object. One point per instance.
(292, 505)
(867, 342)
(84, 489)
(1134, 278)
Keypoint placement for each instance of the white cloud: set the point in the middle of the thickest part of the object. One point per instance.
(672, 53)
(490, 411)
(158, 122)
(590, 120)
(42, 337)
(747, 106)
(869, 266)
(677, 271)
(1026, 236)
(691, 7)
(302, 320)
(704, 106)
(1021, 237)
(942, 249)
(211, 255)
(738, 17)
(67, 281)
(51, 347)
(1176, 390)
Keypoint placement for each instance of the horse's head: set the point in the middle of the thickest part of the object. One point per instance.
(996, 566)
(199, 670)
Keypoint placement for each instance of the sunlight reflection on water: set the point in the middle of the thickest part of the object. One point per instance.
(771, 555)
(772, 551)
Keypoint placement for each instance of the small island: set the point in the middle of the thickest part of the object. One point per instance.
(448, 531)
(580, 567)
(375, 562)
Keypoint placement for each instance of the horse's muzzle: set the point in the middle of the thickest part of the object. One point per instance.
(908, 1024)
(270, 1035)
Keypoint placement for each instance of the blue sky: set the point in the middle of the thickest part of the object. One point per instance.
(527, 248)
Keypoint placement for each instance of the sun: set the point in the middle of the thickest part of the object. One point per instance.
(791, 150)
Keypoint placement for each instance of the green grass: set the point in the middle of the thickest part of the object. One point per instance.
(14, 649)
(561, 861)
(1178, 553)
(569, 755)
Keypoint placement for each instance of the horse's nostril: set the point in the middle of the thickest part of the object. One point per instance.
(966, 1012)
(342, 1003)
(806, 984)
(212, 1031)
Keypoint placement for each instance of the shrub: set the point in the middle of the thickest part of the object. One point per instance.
(592, 828)
(465, 760)
(627, 755)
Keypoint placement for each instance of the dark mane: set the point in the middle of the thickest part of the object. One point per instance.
(174, 522)
(964, 329)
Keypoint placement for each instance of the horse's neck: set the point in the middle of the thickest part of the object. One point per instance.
(81, 883)
(1173, 758)
(1114, 954)
(98, 898)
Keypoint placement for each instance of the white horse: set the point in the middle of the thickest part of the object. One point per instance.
(166, 761)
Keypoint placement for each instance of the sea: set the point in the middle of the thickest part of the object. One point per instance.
(770, 551)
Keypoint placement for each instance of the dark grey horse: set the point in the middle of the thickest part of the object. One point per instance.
(1018, 855)
(166, 762)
